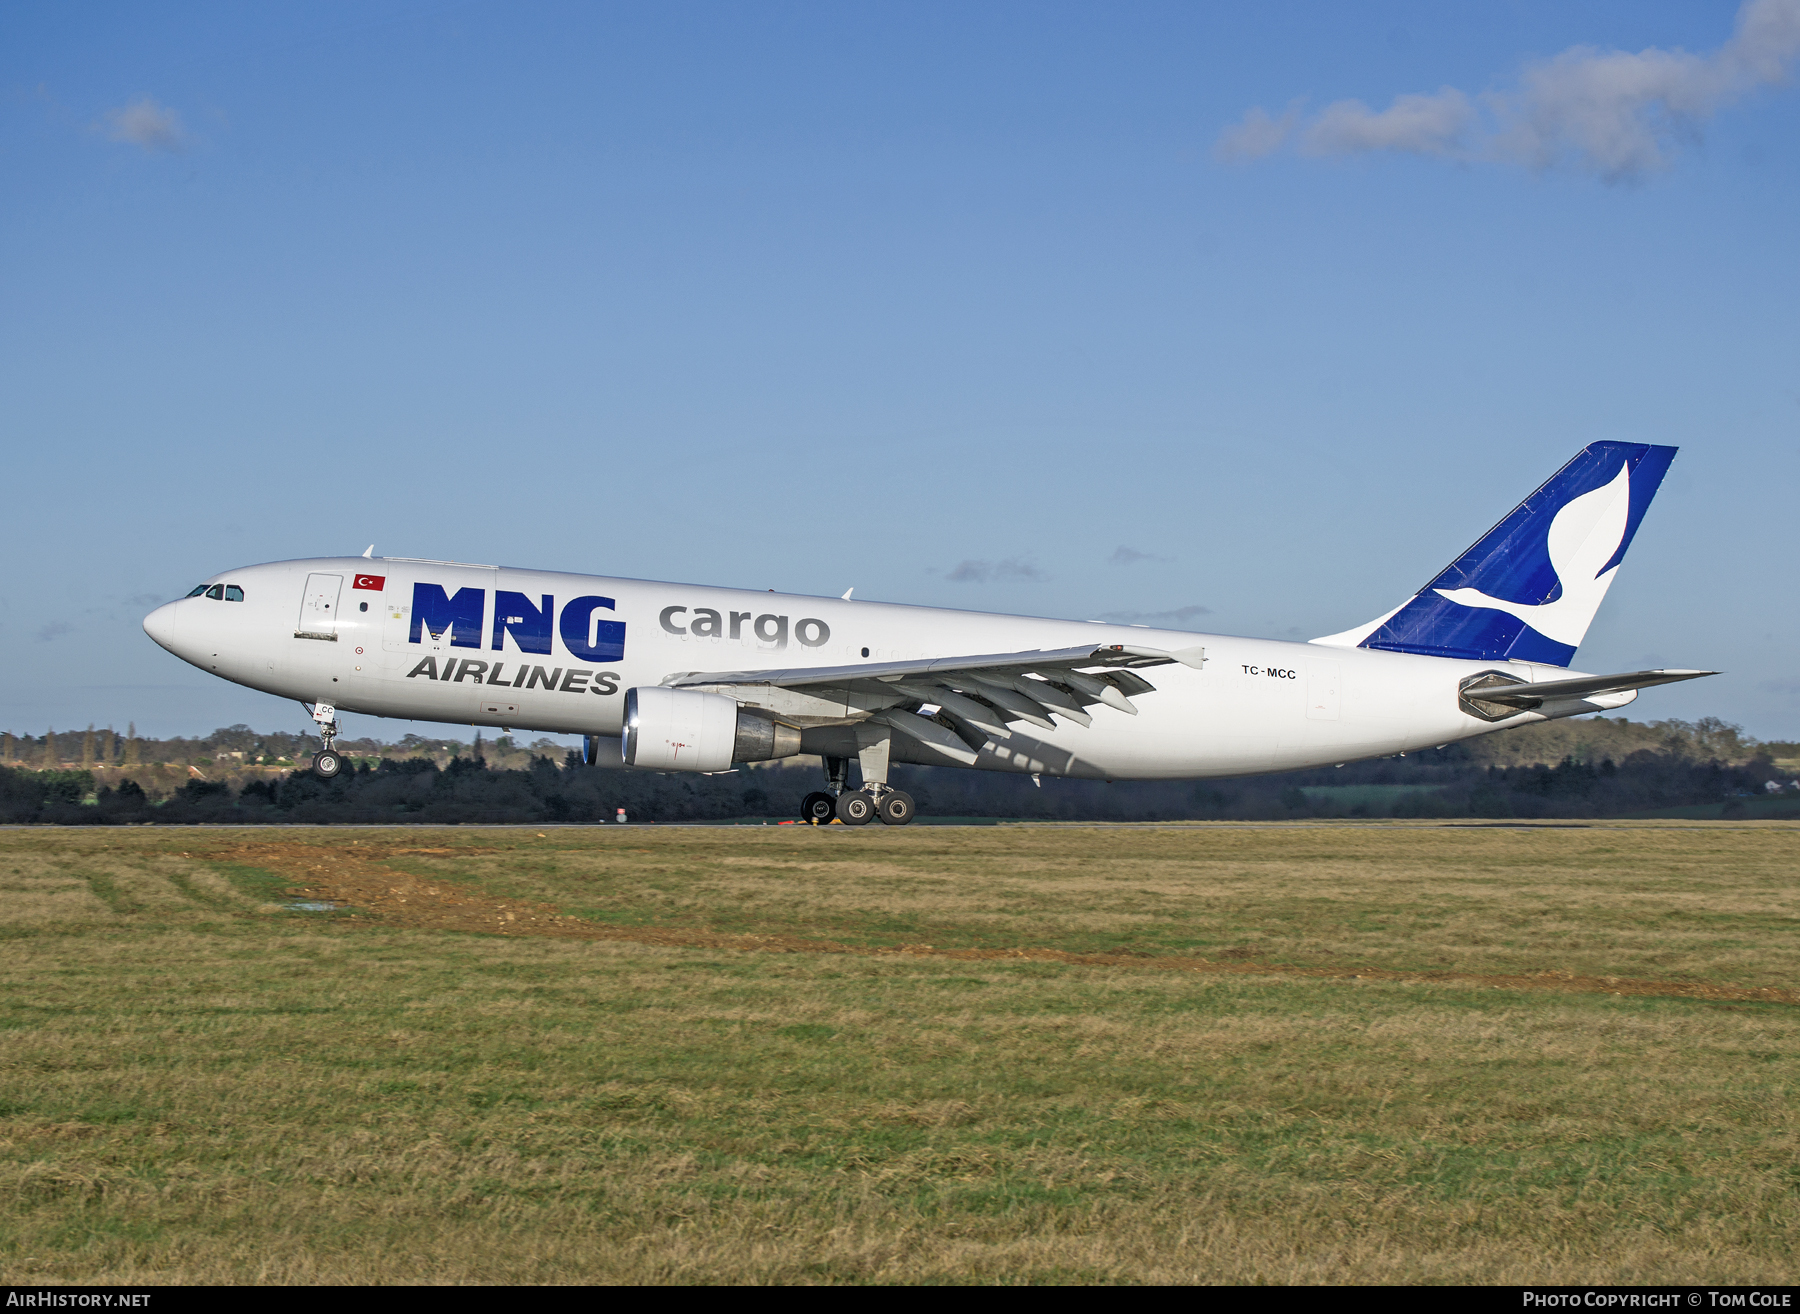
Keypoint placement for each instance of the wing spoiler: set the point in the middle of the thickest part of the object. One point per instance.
(1110, 655)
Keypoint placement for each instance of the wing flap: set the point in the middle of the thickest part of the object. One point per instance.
(928, 732)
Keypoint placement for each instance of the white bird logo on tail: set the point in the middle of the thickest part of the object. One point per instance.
(1583, 537)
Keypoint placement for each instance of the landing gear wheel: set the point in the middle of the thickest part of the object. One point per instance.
(818, 808)
(855, 808)
(327, 764)
(896, 807)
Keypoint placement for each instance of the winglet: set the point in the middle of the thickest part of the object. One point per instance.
(369, 551)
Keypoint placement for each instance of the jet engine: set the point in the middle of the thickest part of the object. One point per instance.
(686, 730)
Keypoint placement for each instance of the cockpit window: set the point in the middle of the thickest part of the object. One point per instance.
(197, 590)
(216, 592)
(233, 593)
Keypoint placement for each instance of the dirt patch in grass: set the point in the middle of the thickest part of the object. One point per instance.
(195, 1089)
(376, 894)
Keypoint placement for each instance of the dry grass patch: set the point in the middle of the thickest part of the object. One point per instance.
(191, 1090)
(1707, 907)
(1640, 902)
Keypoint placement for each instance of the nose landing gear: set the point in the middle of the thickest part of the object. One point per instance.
(327, 762)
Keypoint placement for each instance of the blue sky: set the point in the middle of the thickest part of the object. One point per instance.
(949, 303)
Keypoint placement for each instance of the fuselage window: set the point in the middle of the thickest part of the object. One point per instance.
(216, 592)
(198, 589)
(233, 593)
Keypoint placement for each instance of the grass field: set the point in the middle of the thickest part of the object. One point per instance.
(1314, 1053)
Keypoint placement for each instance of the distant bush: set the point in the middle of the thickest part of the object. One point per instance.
(1674, 765)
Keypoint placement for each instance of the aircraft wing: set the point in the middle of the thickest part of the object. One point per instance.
(976, 696)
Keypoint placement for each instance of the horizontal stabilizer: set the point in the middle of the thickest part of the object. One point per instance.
(1524, 697)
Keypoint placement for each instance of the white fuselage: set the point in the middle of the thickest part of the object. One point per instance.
(1254, 705)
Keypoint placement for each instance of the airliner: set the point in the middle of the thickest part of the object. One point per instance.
(683, 677)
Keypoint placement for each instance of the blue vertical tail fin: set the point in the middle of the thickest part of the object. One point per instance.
(1528, 589)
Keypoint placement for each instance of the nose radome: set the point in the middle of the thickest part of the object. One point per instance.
(160, 625)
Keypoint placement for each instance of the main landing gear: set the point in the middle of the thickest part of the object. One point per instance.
(327, 762)
(858, 807)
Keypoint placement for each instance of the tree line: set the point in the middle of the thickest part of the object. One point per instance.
(1665, 765)
(231, 747)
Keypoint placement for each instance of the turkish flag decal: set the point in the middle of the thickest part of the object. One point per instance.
(370, 582)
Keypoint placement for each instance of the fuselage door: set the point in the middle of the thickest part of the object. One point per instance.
(319, 608)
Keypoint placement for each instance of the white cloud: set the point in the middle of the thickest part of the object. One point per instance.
(1608, 112)
(1420, 125)
(980, 572)
(1127, 556)
(1256, 135)
(147, 124)
(1178, 618)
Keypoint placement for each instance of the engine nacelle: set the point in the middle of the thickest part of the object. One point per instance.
(686, 730)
